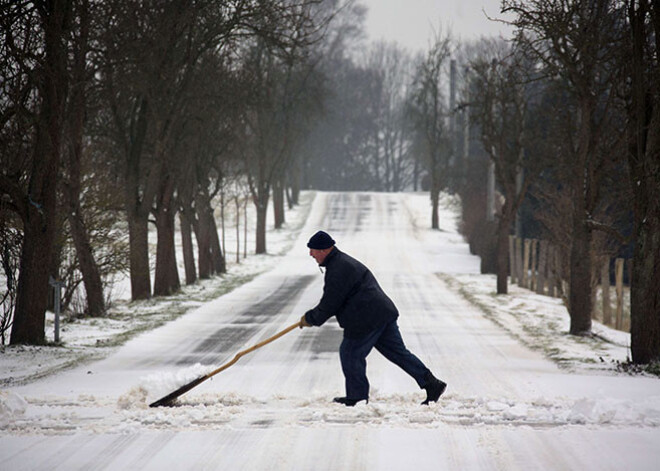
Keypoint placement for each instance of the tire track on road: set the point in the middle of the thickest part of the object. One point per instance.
(256, 317)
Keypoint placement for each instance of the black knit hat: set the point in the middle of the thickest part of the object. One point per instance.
(320, 241)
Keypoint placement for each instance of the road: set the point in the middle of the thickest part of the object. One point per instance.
(506, 407)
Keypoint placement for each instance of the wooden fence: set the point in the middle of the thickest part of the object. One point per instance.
(537, 265)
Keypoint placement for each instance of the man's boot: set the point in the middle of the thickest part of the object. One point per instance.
(348, 402)
(434, 389)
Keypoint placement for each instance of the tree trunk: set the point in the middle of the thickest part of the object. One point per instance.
(260, 195)
(32, 290)
(644, 163)
(137, 202)
(203, 248)
(91, 276)
(187, 247)
(138, 237)
(435, 198)
(40, 204)
(503, 230)
(278, 204)
(218, 261)
(486, 246)
(166, 278)
(88, 267)
(644, 293)
(185, 189)
(210, 257)
(261, 227)
(580, 287)
(202, 232)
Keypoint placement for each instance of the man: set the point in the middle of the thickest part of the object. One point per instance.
(368, 317)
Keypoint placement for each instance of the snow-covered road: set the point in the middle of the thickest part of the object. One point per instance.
(507, 407)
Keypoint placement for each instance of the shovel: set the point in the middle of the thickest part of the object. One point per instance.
(169, 399)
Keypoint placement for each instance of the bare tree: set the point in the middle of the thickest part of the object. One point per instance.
(35, 43)
(281, 81)
(500, 107)
(643, 72)
(76, 113)
(392, 137)
(148, 74)
(574, 40)
(429, 113)
(268, 144)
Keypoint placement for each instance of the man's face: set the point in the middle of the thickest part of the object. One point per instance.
(319, 255)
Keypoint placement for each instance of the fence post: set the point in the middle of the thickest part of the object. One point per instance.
(618, 273)
(519, 261)
(605, 290)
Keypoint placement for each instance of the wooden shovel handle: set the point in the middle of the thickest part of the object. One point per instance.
(169, 399)
(253, 348)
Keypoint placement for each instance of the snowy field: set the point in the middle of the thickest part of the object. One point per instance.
(522, 393)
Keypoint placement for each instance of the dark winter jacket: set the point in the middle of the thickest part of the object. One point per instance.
(352, 294)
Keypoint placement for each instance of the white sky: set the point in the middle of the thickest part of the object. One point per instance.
(411, 22)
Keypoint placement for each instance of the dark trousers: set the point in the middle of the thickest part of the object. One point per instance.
(387, 340)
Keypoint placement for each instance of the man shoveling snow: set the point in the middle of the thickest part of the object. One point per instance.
(369, 319)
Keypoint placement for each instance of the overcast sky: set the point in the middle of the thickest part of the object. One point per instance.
(411, 22)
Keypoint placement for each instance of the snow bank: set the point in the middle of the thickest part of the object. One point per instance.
(233, 410)
(542, 323)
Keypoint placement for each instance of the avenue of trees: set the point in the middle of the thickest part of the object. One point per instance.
(115, 116)
(568, 112)
(122, 114)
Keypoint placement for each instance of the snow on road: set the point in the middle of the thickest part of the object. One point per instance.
(522, 394)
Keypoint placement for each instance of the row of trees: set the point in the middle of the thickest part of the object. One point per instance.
(569, 114)
(114, 115)
(121, 114)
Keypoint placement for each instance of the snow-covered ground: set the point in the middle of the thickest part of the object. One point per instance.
(522, 394)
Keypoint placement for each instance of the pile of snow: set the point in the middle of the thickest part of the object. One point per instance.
(12, 406)
(158, 385)
(135, 398)
(616, 412)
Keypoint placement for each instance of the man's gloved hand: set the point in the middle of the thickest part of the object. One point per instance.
(304, 323)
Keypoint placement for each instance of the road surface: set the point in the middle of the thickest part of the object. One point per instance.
(506, 407)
